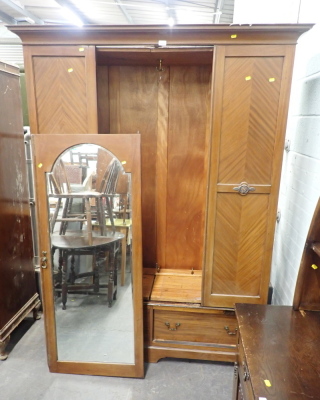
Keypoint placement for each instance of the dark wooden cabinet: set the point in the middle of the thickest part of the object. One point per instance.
(211, 108)
(18, 295)
(278, 349)
(278, 346)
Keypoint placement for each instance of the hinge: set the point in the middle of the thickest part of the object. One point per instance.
(287, 145)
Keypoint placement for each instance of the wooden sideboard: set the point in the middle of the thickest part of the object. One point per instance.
(278, 346)
(278, 353)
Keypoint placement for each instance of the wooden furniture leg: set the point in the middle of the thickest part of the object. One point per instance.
(123, 255)
(63, 226)
(3, 345)
(64, 285)
(72, 275)
(112, 295)
(35, 313)
(55, 215)
(109, 212)
(96, 275)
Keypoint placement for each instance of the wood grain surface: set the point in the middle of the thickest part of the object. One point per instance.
(193, 327)
(186, 179)
(280, 345)
(62, 104)
(248, 134)
(133, 96)
(17, 282)
(177, 285)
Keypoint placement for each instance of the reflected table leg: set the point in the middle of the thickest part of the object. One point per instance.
(123, 254)
(112, 295)
(64, 285)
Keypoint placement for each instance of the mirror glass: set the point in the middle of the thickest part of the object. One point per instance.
(90, 231)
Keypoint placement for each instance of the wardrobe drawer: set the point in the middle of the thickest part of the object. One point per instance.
(194, 327)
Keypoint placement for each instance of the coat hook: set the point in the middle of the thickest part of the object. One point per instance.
(160, 68)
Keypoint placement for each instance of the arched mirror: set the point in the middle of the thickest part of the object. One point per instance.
(88, 201)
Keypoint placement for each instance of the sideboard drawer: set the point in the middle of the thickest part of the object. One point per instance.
(194, 327)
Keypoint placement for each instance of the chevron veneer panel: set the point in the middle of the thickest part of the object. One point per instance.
(61, 104)
(241, 223)
(249, 118)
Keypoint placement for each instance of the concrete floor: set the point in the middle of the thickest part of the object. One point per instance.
(25, 375)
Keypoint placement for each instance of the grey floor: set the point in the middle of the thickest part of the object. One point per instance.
(89, 330)
(25, 375)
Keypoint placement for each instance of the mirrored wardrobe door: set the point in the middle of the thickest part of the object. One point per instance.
(88, 190)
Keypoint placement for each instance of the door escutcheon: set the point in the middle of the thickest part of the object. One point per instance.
(244, 188)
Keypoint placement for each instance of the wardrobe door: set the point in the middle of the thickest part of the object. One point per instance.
(61, 89)
(249, 111)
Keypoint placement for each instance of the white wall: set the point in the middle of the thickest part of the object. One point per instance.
(266, 11)
(300, 183)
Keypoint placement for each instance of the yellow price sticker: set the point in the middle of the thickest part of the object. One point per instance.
(234, 36)
(314, 266)
(267, 382)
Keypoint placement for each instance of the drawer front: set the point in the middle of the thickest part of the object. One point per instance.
(194, 327)
(244, 376)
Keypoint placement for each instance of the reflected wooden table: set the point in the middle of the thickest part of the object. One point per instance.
(71, 245)
(122, 226)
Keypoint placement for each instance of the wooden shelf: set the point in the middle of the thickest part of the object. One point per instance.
(178, 286)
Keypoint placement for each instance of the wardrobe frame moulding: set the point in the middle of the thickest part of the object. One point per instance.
(211, 108)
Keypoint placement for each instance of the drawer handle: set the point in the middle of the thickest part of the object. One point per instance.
(230, 332)
(172, 329)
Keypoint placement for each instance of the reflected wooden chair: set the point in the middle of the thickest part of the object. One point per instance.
(123, 208)
(61, 190)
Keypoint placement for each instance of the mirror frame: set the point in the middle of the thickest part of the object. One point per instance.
(126, 147)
